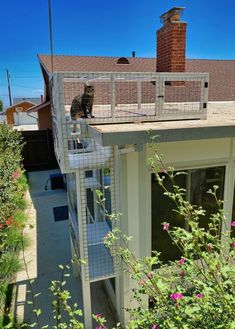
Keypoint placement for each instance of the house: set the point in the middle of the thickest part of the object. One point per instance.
(135, 97)
(43, 113)
(17, 113)
(34, 100)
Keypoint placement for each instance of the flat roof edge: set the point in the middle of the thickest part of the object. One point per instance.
(162, 135)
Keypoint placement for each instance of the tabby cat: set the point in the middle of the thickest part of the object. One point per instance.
(82, 105)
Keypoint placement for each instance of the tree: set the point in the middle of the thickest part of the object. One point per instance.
(1, 105)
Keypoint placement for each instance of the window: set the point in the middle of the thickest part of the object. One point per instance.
(122, 60)
(19, 109)
(72, 195)
(97, 179)
(233, 215)
(198, 181)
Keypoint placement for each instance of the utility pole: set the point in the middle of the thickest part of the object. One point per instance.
(9, 88)
(51, 35)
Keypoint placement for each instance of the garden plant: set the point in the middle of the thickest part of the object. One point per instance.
(195, 291)
(12, 204)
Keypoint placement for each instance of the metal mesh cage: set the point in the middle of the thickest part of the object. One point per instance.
(95, 222)
(81, 99)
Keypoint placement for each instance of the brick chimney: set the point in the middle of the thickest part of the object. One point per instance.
(171, 40)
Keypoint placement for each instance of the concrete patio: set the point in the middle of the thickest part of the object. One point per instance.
(49, 247)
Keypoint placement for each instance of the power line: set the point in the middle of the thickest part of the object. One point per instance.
(9, 88)
(51, 37)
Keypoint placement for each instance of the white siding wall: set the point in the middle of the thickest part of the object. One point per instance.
(135, 190)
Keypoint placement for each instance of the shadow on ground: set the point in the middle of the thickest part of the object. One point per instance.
(49, 248)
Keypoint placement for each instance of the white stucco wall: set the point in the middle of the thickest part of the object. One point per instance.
(135, 189)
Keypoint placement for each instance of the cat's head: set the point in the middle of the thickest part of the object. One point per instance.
(89, 90)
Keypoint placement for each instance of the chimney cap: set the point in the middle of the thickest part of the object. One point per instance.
(172, 15)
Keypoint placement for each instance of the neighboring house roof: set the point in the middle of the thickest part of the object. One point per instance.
(19, 105)
(34, 100)
(96, 64)
(38, 107)
(222, 72)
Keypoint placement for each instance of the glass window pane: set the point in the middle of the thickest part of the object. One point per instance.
(201, 181)
(72, 193)
(233, 215)
(162, 211)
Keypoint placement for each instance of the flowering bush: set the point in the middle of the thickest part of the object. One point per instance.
(12, 187)
(195, 291)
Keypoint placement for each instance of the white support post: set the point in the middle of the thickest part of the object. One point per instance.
(86, 296)
(139, 94)
(229, 190)
(157, 93)
(118, 285)
(134, 201)
(112, 85)
(63, 148)
(161, 94)
(86, 293)
(204, 97)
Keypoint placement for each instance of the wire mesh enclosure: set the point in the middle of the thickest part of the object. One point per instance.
(83, 98)
(118, 97)
(90, 220)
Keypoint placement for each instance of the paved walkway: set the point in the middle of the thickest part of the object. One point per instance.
(49, 246)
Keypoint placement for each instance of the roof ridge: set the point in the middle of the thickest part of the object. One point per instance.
(96, 56)
(134, 58)
(211, 59)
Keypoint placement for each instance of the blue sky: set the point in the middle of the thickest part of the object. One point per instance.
(108, 28)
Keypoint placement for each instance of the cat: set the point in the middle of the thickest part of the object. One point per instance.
(81, 106)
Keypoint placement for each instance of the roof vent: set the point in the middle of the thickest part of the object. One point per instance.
(122, 60)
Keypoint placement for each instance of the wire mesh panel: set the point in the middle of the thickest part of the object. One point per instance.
(80, 99)
(183, 96)
(95, 221)
(73, 211)
(114, 96)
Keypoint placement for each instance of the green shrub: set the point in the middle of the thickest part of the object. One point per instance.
(13, 184)
(198, 289)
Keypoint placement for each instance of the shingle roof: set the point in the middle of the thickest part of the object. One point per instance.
(97, 63)
(19, 104)
(34, 100)
(222, 72)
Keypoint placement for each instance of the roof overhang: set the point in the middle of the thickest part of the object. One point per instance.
(169, 131)
(19, 104)
(38, 107)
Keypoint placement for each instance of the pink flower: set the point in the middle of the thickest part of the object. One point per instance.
(142, 282)
(176, 296)
(233, 244)
(15, 175)
(233, 224)
(209, 247)
(199, 295)
(99, 315)
(155, 326)
(150, 275)
(166, 226)
(181, 261)
(9, 221)
(1, 226)
(182, 274)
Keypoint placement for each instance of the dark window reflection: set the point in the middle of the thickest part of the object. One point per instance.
(200, 181)
(162, 211)
(233, 215)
